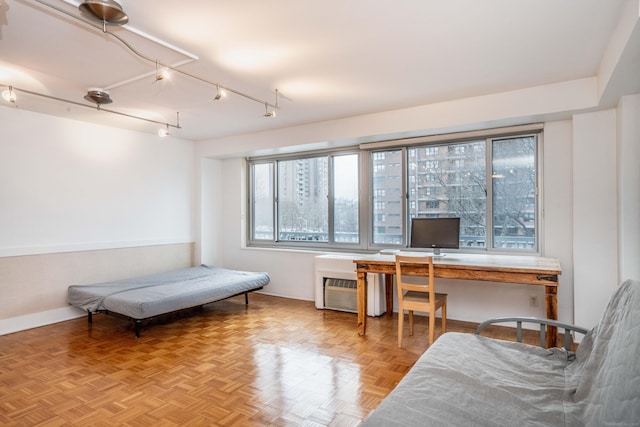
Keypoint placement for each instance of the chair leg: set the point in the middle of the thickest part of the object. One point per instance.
(432, 327)
(411, 322)
(400, 324)
(444, 317)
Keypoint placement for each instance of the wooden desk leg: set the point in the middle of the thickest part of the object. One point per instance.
(362, 302)
(388, 292)
(551, 302)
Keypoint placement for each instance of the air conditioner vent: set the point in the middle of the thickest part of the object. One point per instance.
(341, 283)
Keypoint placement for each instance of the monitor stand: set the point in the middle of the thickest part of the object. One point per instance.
(436, 253)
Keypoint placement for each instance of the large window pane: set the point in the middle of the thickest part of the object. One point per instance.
(262, 201)
(345, 199)
(302, 199)
(450, 181)
(514, 193)
(387, 197)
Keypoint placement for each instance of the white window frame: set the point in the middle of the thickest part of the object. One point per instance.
(375, 151)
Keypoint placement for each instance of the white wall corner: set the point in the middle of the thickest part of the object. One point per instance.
(628, 144)
(595, 218)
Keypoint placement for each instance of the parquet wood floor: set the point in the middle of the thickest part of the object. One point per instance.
(276, 362)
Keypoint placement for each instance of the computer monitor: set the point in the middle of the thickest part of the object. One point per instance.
(435, 233)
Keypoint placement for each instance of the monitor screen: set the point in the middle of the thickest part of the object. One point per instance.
(435, 233)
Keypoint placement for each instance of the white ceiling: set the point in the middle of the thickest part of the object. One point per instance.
(328, 59)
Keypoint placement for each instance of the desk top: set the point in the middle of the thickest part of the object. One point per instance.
(460, 261)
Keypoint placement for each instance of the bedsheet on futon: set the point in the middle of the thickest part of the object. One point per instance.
(469, 380)
(148, 296)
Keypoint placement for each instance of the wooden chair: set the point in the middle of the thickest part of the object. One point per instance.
(419, 297)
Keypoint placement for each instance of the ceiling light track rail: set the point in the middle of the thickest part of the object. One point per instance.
(96, 107)
(157, 63)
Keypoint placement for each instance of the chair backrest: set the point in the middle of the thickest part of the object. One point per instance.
(415, 266)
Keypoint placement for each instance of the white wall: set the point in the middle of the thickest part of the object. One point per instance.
(629, 186)
(33, 288)
(82, 203)
(595, 219)
(558, 209)
(531, 105)
(67, 185)
(210, 207)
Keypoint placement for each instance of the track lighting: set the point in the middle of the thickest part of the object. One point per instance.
(220, 93)
(161, 73)
(9, 95)
(110, 12)
(162, 132)
(164, 74)
(268, 113)
(96, 96)
(271, 113)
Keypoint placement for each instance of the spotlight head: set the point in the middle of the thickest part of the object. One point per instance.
(163, 74)
(163, 132)
(9, 95)
(221, 93)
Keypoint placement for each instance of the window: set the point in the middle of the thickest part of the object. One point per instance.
(302, 212)
(513, 188)
(387, 188)
(316, 200)
(324, 200)
(262, 206)
(345, 178)
(456, 185)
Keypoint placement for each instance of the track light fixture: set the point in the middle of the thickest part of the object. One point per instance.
(161, 73)
(10, 96)
(220, 93)
(268, 113)
(162, 132)
(108, 12)
(271, 113)
(96, 96)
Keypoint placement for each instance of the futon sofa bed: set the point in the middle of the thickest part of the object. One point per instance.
(142, 298)
(472, 380)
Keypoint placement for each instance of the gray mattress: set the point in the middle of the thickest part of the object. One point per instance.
(469, 380)
(148, 296)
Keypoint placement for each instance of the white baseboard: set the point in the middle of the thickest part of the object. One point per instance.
(34, 320)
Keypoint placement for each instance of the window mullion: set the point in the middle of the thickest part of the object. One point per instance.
(276, 201)
(330, 200)
(489, 186)
(405, 197)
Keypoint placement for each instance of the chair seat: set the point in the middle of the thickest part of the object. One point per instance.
(414, 296)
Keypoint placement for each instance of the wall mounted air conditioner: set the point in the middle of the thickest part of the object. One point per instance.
(340, 294)
(336, 286)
